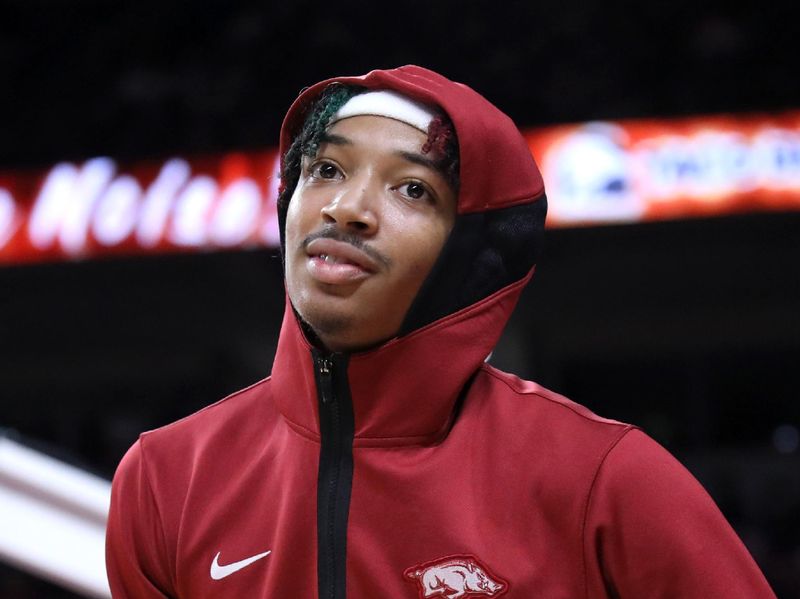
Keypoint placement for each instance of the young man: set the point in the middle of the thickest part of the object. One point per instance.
(384, 457)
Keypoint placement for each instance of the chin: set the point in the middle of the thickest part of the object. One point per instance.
(324, 322)
(334, 330)
(330, 326)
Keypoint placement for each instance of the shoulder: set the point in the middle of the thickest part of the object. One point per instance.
(544, 409)
(170, 454)
(161, 465)
(156, 474)
(623, 459)
(652, 529)
(565, 443)
(234, 411)
(640, 472)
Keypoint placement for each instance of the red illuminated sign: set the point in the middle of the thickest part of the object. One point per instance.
(652, 170)
(97, 208)
(594, 173)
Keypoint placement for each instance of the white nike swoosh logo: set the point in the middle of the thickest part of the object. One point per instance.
(219, 572)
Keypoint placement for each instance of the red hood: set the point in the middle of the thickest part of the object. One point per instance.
(462, 307)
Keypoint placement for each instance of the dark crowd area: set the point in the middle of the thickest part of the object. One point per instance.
(690, 329)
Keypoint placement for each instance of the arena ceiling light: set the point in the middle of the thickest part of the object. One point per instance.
(53, 519)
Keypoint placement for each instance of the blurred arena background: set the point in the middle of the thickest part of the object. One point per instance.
(688, 326)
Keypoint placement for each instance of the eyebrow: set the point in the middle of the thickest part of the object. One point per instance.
(332, 138)
(421, 160)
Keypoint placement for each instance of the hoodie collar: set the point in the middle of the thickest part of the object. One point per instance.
(405, 391)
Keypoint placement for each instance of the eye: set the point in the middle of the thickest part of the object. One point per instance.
(325, 170)
(415, 190)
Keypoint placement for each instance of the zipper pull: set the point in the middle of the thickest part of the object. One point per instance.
(325, 366)
(326, 384)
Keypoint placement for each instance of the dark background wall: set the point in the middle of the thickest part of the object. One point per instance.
(689, 329)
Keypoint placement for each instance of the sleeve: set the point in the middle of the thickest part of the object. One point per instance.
(136, 552)
(652, 532)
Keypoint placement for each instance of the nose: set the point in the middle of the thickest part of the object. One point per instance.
(352, 208)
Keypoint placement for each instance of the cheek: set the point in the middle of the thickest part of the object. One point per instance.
(292, 220)
(302, 217)
(294, 235)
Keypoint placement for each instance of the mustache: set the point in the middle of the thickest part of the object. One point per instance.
(333, 232)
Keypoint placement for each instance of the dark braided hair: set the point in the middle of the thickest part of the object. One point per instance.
(441, 139)
(306, 142)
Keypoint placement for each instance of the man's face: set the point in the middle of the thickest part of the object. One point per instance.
(365, 224)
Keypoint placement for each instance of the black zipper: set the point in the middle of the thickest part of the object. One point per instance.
(335, 479)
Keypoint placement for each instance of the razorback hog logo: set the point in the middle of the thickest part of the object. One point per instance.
(455, 576)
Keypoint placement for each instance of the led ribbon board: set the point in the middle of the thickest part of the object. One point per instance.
(655, 170)
(99, 208)
(627, 171)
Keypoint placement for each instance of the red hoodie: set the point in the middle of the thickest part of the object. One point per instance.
(416, 469)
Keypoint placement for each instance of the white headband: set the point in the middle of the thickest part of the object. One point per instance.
(389, 104)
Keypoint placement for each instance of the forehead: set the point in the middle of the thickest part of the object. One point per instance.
(375, 131)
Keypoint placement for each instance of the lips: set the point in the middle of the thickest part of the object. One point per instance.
(337, 262)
